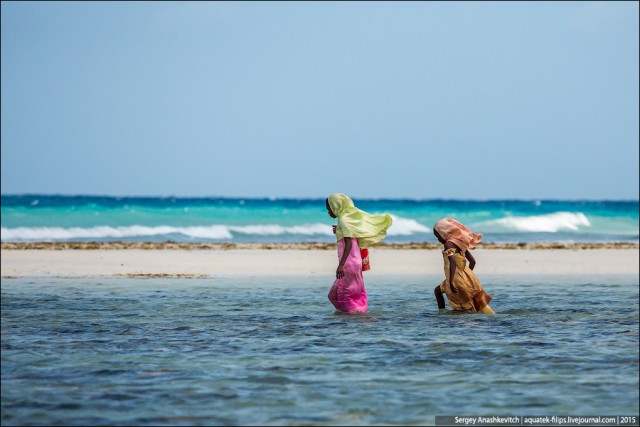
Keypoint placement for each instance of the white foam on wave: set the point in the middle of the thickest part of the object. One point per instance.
(275, 230)
(202, 232)
(401, 227)
(406, 227)
(550, 223)
(102, 232)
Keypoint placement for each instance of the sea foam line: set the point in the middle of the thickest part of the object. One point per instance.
(101, 232)
(401, 227)
(550, 223)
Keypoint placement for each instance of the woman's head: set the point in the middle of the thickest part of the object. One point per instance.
(368, 228)
(448, 229)
(339, 204)
(329, 211)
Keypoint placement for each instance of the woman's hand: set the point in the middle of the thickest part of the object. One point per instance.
(453, 288)
(334, 228)
(340, 271)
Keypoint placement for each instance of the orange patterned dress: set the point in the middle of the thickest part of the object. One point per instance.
(471, 296)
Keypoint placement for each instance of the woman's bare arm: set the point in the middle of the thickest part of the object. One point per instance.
(343, 260)
(452, 266)
(472, 260)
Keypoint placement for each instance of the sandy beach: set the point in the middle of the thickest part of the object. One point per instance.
(58, 260)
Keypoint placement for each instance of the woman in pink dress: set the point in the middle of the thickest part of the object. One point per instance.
(355, 232)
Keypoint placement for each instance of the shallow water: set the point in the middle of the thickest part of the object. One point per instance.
(271, 351)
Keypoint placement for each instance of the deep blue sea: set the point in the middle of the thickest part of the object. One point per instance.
(158, 219)
(270, 351)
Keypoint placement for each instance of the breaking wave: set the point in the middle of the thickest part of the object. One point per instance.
(401, 227)
(550, 223)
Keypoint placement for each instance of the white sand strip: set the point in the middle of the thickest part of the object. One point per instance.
(304, 262)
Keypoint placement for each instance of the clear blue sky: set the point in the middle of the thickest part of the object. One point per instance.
(297, 99)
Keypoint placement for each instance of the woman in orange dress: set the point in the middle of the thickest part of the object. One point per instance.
(461, 286)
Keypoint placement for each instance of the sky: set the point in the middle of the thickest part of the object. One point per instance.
(455, 100)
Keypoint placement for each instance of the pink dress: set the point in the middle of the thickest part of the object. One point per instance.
(348, 294)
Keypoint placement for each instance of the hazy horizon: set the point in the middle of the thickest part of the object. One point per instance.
(421, 199)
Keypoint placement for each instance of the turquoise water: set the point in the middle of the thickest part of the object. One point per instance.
(270, 351)
(95, 218)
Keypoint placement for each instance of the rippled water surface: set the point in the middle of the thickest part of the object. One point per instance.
(255, 350)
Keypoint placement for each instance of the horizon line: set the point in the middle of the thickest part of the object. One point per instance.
(273, 198)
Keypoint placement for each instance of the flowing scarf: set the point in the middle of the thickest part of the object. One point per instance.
(451, 230)
(352, 222)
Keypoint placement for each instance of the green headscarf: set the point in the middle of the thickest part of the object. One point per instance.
(352, 222)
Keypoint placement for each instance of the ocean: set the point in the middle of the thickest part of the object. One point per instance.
(270, 351)
(158, 219)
